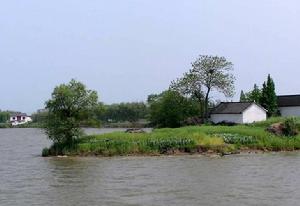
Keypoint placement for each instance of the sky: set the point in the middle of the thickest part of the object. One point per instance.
(128, 49)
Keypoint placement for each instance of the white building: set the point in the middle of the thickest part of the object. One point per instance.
(19, 118)
(238, 112)
(289, 105)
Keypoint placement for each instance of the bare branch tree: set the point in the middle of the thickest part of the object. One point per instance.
(208, 73)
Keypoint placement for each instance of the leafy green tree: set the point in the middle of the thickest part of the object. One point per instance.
(255, 94)
(190, 87)
(4, 117)
(170, 108)
(269, 98)
(69, 105)
(243, 97)
(208, 73)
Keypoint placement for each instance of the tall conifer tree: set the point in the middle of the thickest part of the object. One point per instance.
(269, 97)
(243, 97)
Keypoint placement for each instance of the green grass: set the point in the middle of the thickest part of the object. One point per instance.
(26, 125)
(160, 141)
(193, 139)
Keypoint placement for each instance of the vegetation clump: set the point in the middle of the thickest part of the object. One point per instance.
(171, 109)
(290, 127)
(266, 96)
(237, 139)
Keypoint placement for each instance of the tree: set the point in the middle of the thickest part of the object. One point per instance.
(4, 116)
(269, 98)
(189, 86)
(255, 94)
(39, 116)
(207, 73)
(130, 111)
(69, 105)
(170, 108)
(243, 97)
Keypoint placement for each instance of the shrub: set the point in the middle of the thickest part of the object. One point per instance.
(290, 127)
(45, 152)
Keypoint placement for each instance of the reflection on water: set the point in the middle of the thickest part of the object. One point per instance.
(28, 179)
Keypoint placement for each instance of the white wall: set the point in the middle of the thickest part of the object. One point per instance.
(22, 121)
(254, 113)
(236, 118)
(289, 111)
(28, 119)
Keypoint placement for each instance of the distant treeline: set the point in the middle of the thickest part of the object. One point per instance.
(167, 109)
(4, 116)
(116, 115)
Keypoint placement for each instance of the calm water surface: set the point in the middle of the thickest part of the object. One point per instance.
(28, 179)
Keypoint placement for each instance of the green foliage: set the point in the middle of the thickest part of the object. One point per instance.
(160, 141)
(170, 108)
(237, 139)
(4, 117)
(269, 97)
(266, 96)
(243, 97)
(208, 73)
(70, 104)
(45, 152)
(290, 127)
(253, 96)
(268, 122)
(39, 117)
(5, 125)
(131, 112)
(219, 139)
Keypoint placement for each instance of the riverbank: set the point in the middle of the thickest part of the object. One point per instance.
(27, 125)
(221, 140)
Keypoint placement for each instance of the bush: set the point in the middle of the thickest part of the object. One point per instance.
(45, 152)
(170, 109)
(290, 127)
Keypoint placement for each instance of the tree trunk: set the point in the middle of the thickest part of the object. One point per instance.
(206, 104)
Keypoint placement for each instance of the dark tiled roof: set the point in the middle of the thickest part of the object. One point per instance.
(288, 100)
(18, 114)
(231, 107)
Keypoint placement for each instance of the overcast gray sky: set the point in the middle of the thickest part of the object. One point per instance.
(127, 49)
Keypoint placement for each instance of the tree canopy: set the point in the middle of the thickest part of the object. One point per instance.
(266, 96)
(269, 97)
(253, 96)
(129, 111)
(69, 105)
(170, 109)
(208, 73)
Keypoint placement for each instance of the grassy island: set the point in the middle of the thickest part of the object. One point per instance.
(193, 139)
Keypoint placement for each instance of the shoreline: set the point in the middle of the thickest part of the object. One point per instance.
(209, 153)
(205, 139)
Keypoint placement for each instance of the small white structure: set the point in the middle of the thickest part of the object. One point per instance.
(289, 105)
(19, 118)
(238, 112)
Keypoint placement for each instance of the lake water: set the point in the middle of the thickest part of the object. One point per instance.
(26, 178)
